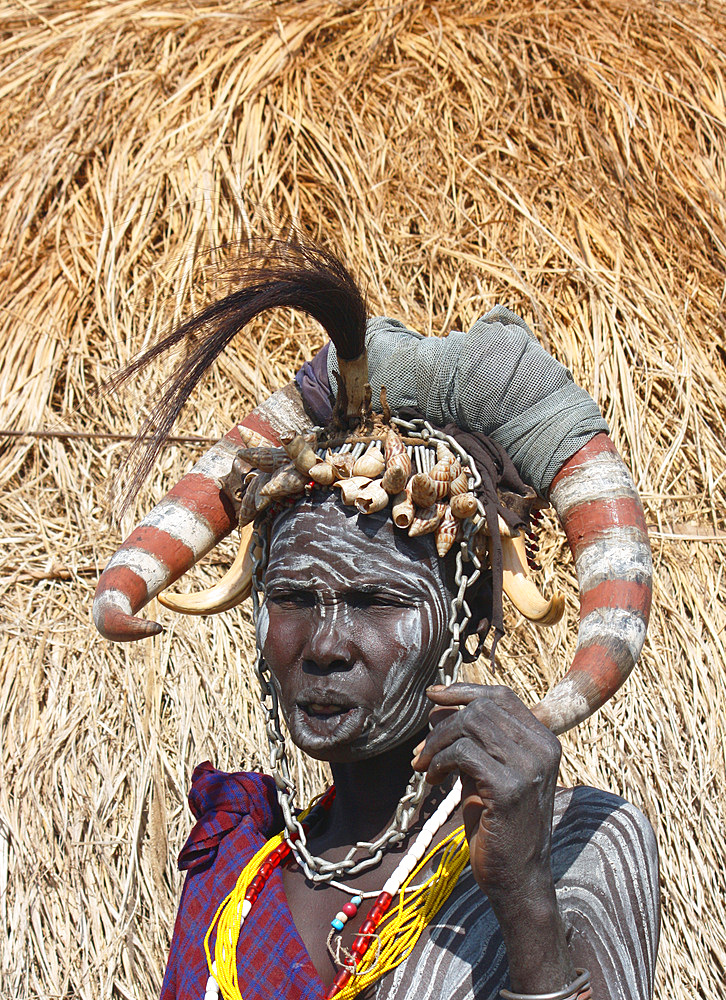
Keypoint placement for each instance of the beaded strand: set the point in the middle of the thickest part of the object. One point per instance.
(234, 909)
(392, 887)
(349, 910)
(231, 914)
(401, 927)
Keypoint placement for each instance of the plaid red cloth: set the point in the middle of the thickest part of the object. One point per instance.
(236, 814)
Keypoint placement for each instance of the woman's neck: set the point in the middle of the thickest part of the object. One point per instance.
(368, 793)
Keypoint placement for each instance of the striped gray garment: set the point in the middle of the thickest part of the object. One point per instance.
(605, 866)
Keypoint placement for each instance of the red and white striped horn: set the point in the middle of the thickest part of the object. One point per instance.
(593, 495)
(600, 510)
(188, 522)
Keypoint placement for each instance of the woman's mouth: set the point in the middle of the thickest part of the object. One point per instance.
(319, 708)
(328, 719)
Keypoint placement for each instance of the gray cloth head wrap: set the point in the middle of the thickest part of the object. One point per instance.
(496, 379)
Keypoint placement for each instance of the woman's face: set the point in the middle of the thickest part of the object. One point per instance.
(353, 626)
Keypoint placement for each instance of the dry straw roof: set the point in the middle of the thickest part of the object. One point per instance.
(565, 159)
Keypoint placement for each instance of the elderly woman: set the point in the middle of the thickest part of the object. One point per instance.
(382, 543)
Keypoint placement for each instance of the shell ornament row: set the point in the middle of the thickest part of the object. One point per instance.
(435, 501)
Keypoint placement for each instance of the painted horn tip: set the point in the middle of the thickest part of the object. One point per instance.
(121, 627)
(561, 709)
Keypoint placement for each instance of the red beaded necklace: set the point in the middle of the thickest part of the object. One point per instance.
(280, 854)
(373, 918)
(283, 851)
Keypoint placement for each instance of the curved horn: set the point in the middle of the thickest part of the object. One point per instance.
(600, 510)
(189, 521)
(521, 591)
(234, 587)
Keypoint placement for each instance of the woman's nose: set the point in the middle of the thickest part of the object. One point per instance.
(329, 643)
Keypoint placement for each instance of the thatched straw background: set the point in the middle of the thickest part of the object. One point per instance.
(566, 159)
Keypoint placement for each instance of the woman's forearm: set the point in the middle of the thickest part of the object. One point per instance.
(534, 935)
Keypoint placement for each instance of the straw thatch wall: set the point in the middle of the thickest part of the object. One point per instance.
(565, 159)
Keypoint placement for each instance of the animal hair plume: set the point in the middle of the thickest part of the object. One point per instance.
(300, 275)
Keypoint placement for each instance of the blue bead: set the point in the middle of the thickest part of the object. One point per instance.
(357, 900)
(336, 924)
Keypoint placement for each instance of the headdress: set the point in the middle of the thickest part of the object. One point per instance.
(428, 483)
(592, 493)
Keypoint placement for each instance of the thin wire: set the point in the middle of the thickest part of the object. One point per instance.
(374, 894)
(102, 436)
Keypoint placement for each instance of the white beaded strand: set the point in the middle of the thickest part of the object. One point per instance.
(211, 991)
(393, 886)
(422, 842)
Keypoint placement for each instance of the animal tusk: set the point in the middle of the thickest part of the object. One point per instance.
(234, 587)
(521, 591)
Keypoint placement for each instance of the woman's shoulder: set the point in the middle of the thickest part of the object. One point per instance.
(231, 791)
(222, 801)
(596, 833)
(594, 809)
(604, 865)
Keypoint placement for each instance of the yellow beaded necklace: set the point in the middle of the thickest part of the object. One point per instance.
(396, 933)
(401, 927)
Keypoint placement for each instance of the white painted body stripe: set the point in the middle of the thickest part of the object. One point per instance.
(113, 600)
(182, 524)
(604, 857)
(602, 478)
(607, 624)
(152, 570)
(262, 625)
(615, 554)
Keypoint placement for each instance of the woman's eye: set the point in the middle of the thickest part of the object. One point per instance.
(292, 598)
(375, 599)
(355, 599)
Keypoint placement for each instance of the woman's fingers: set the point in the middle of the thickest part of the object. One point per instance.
(508, 763)
(476, 722)
(465, 756)
(464, 694)
(504, 735)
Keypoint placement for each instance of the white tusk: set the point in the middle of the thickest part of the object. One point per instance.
(521, 591)
(234, 587)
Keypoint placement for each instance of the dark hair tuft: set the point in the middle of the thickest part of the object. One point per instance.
(299, 275)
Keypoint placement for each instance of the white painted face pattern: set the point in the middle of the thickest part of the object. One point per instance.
(370, 629)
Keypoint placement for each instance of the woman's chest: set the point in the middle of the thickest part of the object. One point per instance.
(442, 956)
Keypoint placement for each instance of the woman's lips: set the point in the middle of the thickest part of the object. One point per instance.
(330, 719)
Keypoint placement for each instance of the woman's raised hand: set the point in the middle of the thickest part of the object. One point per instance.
(508, 762)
